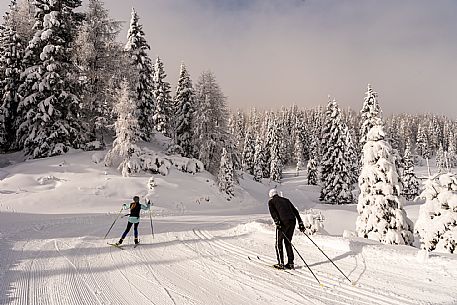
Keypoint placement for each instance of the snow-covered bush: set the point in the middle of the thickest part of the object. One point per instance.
(225, 176)
(151, 183)
(381, 214)
(437, 222)
(312, 222)
(313, 174)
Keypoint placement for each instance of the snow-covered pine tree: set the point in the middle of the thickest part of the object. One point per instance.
(210, 122)
(99, 58)
(47, 113)
(370, 114)
(125, 151)
(352, 157)
(312, 172)
(336, 177)
(441, 159)
(248, 152)
(299, 145)
(437, 222)
(142, 82)
(410, 181)
(275, 151)
(163, 102)
(225, 176)
(184, 105)
(422, 147)
(11, 56)
(259, 160)
(23, 18)
(381, 214)
(452, 154)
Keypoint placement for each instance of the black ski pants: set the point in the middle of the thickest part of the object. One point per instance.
(288, 230)
(129, 226)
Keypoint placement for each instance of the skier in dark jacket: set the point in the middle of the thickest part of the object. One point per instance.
(284, 214)
(134, 218)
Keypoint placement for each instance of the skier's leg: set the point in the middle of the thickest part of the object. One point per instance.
(129, 225)
(279, 248)
(289, 232)
(135, 232)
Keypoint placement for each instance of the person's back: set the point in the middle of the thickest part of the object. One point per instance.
(284, 208)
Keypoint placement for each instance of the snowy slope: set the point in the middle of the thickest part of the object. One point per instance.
(55, 212)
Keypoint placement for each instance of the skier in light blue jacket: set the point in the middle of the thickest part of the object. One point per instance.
(134, 218)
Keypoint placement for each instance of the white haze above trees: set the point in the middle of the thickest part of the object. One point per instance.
(66, 83)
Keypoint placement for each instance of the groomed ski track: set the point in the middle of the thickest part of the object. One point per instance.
(200, 263)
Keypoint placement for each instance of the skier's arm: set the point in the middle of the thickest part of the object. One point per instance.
(146, 206)
(296, 213)
(274, 213)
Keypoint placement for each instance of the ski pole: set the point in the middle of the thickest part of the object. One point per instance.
(301, 257)
(150, 218)
(328, 258)
(113, 223)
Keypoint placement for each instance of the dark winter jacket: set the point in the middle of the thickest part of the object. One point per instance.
(135, 208)
(282, 210)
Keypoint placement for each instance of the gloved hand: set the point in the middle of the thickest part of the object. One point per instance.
(301, 227)
(149, 202)
(125, 206)
(278, 225)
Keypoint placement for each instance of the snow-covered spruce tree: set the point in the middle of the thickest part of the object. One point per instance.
(410, 181)
(142, 82)
(259, 160)
(452, 154)
(370, 114)
(98, 56)
(441, 159)
(11, 56)
(125, 152)
(47, 113)
(163, 101)
(248, 152)
(352, 157)
(437, 222)
(336, 177)
(299, 145)
(381, 214)
(422, 147)
(275, 151)
(312, 172)
(210, 122)
(225, 176)
(184, 105)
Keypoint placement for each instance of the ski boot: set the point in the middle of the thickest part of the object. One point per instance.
(289, 266)
(119, 242)
(137, 241)
(279, 266)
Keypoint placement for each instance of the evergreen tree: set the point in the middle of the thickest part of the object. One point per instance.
(99, 59)
(410, 181)
(452, 155)
(299, 146)
(336, 178)
(437, 222)
(48, 123)
(125, 151)
(370, 114)
(184, 105)
(142, 81)
(422, 147)
(248, 152)
(312, 171)
(441, 159)
(259, 160)
(351, 156)
(163, 106)
(275, 152)
(11, 56)
(210, 122)
(381, 214)
(225, 176)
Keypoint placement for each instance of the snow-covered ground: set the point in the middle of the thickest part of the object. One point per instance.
(54, 213)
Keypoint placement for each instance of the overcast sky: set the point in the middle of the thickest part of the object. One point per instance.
(268, 53)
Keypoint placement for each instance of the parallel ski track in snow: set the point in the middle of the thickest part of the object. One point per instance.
(353, 295)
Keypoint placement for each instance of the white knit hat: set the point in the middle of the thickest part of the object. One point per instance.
(272, 192)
